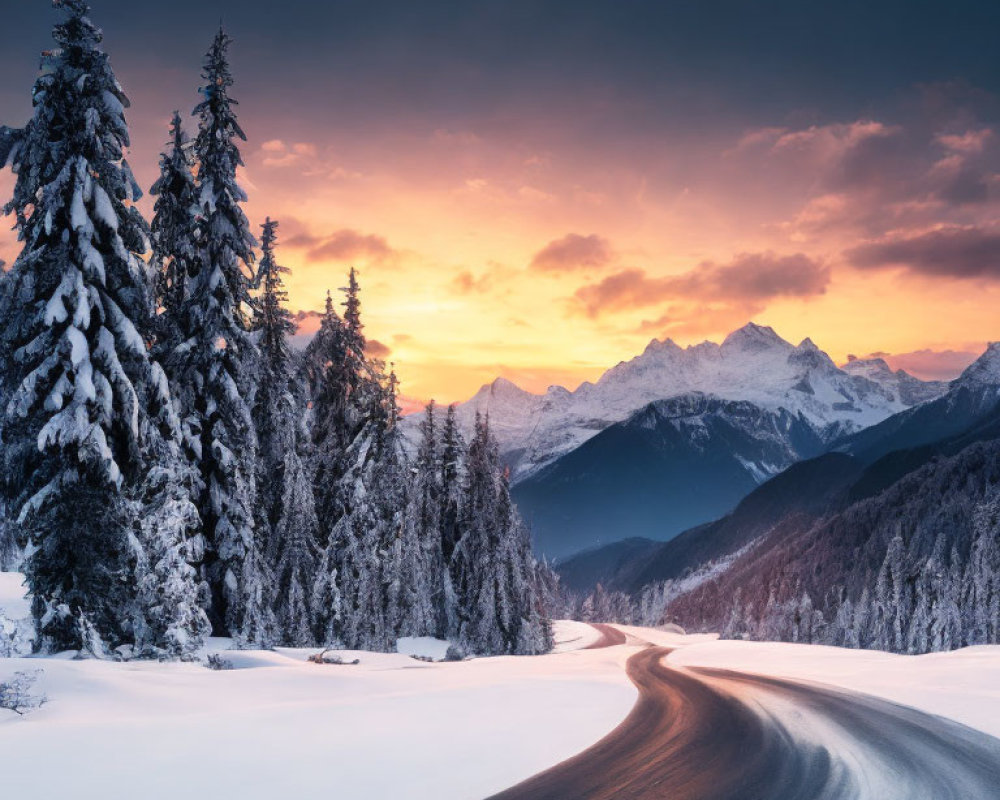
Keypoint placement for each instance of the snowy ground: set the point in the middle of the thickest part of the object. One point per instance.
(277, 726)
(393, 726)
(963, 685)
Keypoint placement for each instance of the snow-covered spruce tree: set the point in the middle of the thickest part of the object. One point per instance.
(327, 463)
(212, 367)
(888, 618)
(296, 557)
(286, 516)
(383, 565)
(413, 566)
(981, 585)
(175, 251)
(452, 452)
(342, 392)
(424, 521)
(359, 481)
(86, 410)
(346, 395)
(357, 554)
(274, 409)
(492, 569)
(171, 622)
(371, 543)
(10, 552)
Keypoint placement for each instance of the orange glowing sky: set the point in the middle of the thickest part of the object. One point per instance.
(546, 239)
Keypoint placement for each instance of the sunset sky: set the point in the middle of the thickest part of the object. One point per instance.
(537, 189)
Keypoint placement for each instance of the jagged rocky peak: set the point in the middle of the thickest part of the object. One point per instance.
(753, 337)
(876, 365)
(502, 387)
(808, 355)
(556, 391)
(668, 346)
(984, 371)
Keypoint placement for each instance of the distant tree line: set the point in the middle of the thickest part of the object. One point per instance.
(913, 569)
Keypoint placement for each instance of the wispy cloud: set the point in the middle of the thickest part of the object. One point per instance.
(749, 277)
(344, 245)
(573, 252)
(951, 252)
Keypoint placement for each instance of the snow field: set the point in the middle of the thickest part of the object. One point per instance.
(393, 726)
(278, 726)
(963, 685)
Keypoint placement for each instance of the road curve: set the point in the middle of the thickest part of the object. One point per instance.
(719, 735)
(610, 636)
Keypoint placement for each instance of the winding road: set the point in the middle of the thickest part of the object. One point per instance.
(610, 636)
(721, 735)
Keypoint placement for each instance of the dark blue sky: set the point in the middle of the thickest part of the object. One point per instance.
(661, 62)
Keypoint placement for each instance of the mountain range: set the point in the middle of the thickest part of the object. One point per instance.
(827, 522)
(678, 436)
(753, 364)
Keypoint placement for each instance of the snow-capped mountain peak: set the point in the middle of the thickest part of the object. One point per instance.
(984, 371)
(909, 390)
(753, 364)
(754, 338)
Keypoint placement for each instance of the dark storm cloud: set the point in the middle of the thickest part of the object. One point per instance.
(954, 252)
(748, 278)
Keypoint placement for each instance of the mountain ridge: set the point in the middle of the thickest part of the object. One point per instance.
(859, 468)
(753, 363)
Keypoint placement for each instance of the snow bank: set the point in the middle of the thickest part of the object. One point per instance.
(425, 646)
(13, 603)
(963, 685)
(278, 726)
(571, 635)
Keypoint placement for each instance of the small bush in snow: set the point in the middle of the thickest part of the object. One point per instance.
(16, 693)
(217, 662)
(323, 658)
(454, 653)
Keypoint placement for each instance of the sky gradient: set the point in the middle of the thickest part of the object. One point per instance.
(538, 189)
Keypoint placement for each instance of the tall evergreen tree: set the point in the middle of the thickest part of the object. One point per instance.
(412, 570)
(499, 605)
(365, 539)
(171, 621)
(343, 392)
(86, 409)
(451, 453)
(365, 595)
(287, 524)
(424, 518)
(213, 365)
(352, 307)
(275, 408)
(295, 561)
(982, 577)
(175, 250)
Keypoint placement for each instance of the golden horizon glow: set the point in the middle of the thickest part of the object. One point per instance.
(465, 243)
